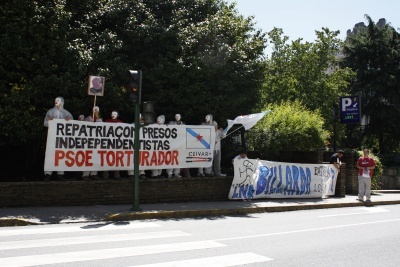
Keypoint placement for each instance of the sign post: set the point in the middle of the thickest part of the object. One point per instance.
(350, 109)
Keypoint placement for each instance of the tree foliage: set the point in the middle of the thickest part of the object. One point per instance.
(197, 57)
(298, 72)
(374, 54)
(289, 127)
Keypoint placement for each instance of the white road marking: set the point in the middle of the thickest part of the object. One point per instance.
(100, 254)
(218, 261)
(306, 230)
(90, 227)
(367, 211)
(87, 239)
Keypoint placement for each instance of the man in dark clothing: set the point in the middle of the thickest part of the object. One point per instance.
(335, 159)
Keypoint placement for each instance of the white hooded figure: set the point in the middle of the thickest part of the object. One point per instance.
(176, 171)
(114, 119)
(157, 173)
(217, 150)
(177, 120)
(57, 112)
(209, 120)
(96, 114)
(160, 120)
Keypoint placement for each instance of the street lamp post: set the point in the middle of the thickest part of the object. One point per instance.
(135, 206)
(135, 94)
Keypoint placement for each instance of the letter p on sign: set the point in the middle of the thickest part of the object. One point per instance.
(346, 102)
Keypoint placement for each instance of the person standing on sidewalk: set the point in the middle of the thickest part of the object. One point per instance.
(114, 119)
(175, 172)
(201, 172)
(57, 112)
(335, 160)
(365, 165)
(157, 173)
(86, 175)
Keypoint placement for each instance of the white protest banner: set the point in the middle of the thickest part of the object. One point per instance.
(83, 146)
(267, 179)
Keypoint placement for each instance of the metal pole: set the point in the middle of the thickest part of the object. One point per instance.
(136, 162)
(334, 136)
(137, 148)
(335, 119)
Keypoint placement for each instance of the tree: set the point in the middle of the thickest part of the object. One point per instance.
(374, 54)
(289, 127)
(197, 57)
(298, 72)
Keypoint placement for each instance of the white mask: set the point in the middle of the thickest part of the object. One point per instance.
(160, 119)
(114, 115)
(58, 102)
(178, 117)
(96, 109)
(208, 118)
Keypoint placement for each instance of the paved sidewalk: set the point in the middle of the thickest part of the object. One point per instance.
(20, 216)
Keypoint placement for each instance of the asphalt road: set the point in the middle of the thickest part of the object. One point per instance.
(352, 236)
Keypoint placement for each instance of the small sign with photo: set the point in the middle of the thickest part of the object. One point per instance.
(96, 85)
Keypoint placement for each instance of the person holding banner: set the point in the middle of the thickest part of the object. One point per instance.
(114, 119)
(156, 173)
(97, 118)
(335, 160)
(242, 155)
(208, 171)
(175, 171)
(366, 166)
(57, 112)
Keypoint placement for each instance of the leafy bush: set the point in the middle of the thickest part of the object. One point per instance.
(289, 127)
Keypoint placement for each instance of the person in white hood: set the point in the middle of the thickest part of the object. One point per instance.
(156, 173)
(57, 112)
(217, 150)
(175, 172)
(97, 118)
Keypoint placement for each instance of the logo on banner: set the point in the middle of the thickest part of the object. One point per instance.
(199, 139)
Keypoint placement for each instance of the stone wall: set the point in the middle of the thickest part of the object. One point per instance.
(107, 192)
(390, 178)
(111, 192)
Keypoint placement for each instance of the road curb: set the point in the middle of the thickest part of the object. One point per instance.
(178, 214)
(236, 211)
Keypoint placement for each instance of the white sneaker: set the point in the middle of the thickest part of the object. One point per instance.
(169, 175)
(177, 175)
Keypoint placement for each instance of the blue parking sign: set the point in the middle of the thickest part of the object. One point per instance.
(350, 109)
